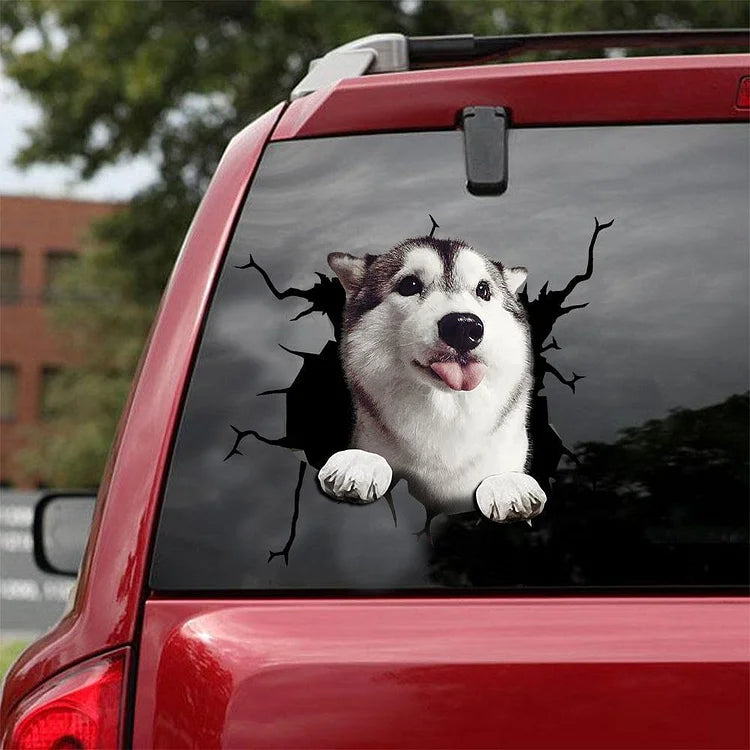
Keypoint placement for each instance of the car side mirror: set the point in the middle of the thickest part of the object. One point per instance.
(61, 529)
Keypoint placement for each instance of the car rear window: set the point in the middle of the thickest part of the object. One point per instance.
(639, 413)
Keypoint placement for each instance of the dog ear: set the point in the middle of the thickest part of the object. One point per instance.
(349, 269)
(515, 277)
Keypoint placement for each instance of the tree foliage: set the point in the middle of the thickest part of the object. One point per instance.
(174, 81)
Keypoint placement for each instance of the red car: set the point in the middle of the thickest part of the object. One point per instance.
(225, 601)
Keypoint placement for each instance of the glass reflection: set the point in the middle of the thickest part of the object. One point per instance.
(666, 327)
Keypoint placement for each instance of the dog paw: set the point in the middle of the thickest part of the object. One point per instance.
(355, 476)
(512, 496)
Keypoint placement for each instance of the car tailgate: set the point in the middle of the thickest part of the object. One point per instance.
(519, 672)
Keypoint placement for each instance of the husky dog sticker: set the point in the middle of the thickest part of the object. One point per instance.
(436, 351)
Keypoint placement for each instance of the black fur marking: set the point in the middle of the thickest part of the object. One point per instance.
(367, 403)
(510, 302)
(447, 250)
(380, 271)
(376, 284)
(495, 268)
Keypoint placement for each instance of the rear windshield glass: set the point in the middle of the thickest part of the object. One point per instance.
(404, 386)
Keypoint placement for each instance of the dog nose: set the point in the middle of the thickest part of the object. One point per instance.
(462, 331)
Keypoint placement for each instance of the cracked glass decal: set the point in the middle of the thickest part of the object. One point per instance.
(512, 458)
(340, 281)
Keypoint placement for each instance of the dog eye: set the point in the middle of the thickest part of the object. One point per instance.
(409, 285)
(483, 290)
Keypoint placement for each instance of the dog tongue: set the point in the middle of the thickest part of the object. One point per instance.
(460, 377)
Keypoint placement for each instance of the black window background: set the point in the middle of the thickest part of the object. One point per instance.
(660, 421)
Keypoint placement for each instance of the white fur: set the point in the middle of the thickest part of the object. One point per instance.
(356, 475)
(509, 497)
(444, 443)
(422, 262)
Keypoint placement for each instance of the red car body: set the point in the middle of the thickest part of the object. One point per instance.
(388, 672)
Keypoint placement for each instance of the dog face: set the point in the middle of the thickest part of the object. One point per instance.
(434, 311)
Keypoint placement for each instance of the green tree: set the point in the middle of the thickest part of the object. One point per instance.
(174, 81)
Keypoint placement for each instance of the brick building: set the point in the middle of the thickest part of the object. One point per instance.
(39, 237)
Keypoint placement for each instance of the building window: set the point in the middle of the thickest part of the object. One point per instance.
(49, 408)
(10, 275)
(56, 264)
(8, 392)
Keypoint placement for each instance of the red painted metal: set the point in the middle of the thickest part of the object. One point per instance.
(743, 93)
(516, 673)
(112, 579)
(626, 90)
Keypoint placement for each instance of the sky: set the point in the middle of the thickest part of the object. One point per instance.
(17, 113)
